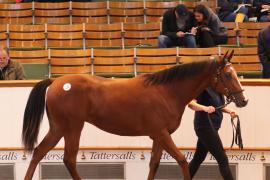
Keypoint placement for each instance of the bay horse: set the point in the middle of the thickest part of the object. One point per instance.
(147, 105)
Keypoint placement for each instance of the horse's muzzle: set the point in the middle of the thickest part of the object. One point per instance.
(242, 103)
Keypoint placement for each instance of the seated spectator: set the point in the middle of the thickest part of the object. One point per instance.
(262, 9)
(176, 23)
(210, 30)
(9, 70)
(233, 10)
(264, 50)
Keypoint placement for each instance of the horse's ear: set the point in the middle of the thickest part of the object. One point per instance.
(223, 60)
(230, 56)
(225, 56)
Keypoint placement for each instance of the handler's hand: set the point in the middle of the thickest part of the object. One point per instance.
(209, 109)
(233, 114)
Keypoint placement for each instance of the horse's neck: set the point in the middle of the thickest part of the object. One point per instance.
(189, 88)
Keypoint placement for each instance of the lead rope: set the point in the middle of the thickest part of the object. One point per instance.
(237, 137)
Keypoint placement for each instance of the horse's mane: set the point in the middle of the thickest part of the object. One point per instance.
(178, 72)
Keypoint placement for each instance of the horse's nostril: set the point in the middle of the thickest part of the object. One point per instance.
(245, 101)
(242, 103)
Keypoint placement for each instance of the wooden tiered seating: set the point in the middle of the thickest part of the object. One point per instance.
(56, 13)
(155, 59)
(27, 36)
(89, 12)
(141, 34)
(34, 62)
(155, 9)
(3, 35)
(7, 1)
(249, 32)
(210, 3)
(192, 4)
(97, 33)
(104, 35)
(233, 38)
(113, 62)
(126, 11)
(245, 60)
(65, 36)
(16, 13)
(64, 62)
(127, 62)
(196, 54)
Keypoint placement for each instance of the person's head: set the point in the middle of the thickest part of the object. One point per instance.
(201, 13)
(4, 57)
(181, 11)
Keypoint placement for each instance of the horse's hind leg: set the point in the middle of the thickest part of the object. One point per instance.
(155, 159)
(72, 140)
(165, 140)
(49, 141)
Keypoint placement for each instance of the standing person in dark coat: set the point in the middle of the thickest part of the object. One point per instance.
(177, 29)
(207, 132)
(264, 50)
(210, 30)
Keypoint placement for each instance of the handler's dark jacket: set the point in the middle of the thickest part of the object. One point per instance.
(169, 25)
(209, 98)
(13, 71)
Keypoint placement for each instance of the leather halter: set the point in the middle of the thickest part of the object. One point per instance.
(230, 95)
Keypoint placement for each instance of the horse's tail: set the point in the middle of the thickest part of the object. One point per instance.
(33, 114)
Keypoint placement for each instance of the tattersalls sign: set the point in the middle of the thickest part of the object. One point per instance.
(9, 156)
(233, 156)
(250, 164)
(131, 155)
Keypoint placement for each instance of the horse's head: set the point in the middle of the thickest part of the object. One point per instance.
(225, 81)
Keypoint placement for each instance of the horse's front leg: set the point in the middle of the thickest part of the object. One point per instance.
(165, 140)
(155, 159)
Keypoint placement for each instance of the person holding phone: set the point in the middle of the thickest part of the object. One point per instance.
(177, 29)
